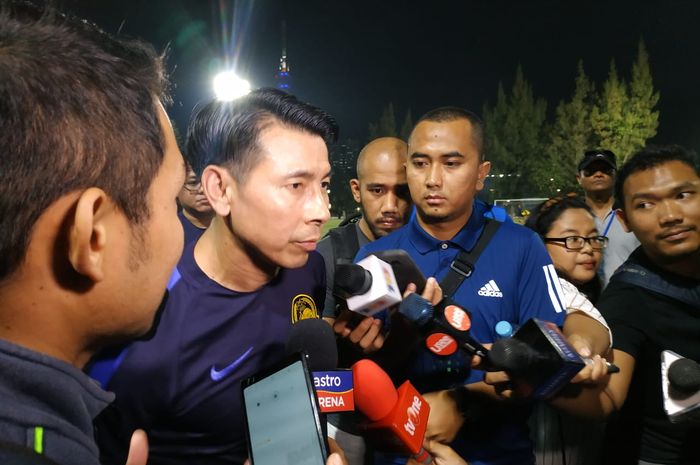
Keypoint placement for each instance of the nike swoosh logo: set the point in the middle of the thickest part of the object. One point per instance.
(218, 375)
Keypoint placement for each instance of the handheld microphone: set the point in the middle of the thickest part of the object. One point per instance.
(446, 328)
(334, 388)
(680, 382)
(397, 418)
(539, 356)
(368, 286)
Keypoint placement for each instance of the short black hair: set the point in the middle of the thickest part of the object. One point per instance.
(648, 158)
(545, 214)
(226, 133)
(447, 114)
(78, 109)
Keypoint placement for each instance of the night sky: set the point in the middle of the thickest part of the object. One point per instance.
(353, 57)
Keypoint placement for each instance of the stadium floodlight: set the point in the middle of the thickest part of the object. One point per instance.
(228, 86)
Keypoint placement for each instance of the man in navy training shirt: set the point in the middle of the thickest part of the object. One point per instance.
(513, 279)
(240, 287)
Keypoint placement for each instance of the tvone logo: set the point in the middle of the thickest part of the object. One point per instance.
(413, 416)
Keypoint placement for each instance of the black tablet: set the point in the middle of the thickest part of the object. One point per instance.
(283, 424)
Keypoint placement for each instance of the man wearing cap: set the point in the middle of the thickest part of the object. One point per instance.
(596, 176)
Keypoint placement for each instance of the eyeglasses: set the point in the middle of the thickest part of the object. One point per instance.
(192, 185)
(579, 242)
(588, 172)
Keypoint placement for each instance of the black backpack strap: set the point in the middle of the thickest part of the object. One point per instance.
(463, 265)
(637, 274)
(344, 243)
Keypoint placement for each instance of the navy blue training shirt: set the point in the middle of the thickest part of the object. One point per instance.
(183, 386)
(513, 280)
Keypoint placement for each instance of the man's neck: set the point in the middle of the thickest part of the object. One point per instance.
(40, 327)
(364, 227)
(199, 220)
(600, 202)
(230, 262)
(688, 266)
(446, 229)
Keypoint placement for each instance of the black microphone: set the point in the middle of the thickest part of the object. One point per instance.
(446, 328)
(334, 387)
(684, 376)
(517, 357)
(314, 337)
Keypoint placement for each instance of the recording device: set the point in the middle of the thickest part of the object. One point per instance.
(397, 418)
(539, 356)
(680, 382)
(445, 327)
(376, 282)
(282, 415)
(334, 388)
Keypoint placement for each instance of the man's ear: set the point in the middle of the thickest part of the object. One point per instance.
(484, 169)
(578, 178)
(216, 182)
(88, 233)
(623, 219)
(355, 189)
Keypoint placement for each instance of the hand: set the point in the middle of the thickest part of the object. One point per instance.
(442, 454)
(595, 372)
(507, 387)
(337, 456)
(367, 334)
(138, 448)
(432, 291)
(445, 420)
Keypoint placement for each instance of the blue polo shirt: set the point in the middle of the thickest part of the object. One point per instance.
(513, 280)
(183, 386)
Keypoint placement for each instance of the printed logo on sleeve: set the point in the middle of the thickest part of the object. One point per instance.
(303, 308)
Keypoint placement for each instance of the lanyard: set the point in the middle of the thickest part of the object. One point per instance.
(607, 227)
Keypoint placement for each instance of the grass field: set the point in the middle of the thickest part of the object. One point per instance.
(332, 223)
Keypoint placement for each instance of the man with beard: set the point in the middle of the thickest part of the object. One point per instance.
(382, 193)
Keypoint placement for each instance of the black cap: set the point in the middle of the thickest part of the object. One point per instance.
(591, 156)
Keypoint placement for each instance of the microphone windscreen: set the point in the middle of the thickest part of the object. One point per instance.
(375, 394)
(512, 355)
(352, 279)
(417, 309)
(315, 338)
(684, 375)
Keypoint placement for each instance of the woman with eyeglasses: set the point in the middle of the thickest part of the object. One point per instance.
(567, 227)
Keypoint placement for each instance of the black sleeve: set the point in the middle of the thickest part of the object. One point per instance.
(626, 312)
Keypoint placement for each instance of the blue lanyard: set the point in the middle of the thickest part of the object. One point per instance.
(607, 227)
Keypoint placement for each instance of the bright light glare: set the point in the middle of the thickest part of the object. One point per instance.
(228, 86)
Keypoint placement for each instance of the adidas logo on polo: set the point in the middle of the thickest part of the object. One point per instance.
(490, 289)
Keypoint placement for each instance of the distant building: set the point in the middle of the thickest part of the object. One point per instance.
(283, 77)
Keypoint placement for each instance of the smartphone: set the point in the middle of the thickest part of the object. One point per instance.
(405, 269)
(283, 424)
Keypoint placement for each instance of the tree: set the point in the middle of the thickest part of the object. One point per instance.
(624, 117)
(642, 101)
(568, 138)
(386, 126)
(406, 127)
(514, 129)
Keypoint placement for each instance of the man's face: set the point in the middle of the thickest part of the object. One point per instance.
(150, 250)
(382, 192)
(597, 177)
(192, 196)
(662, 208)
(278, 210)
(444, 170)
